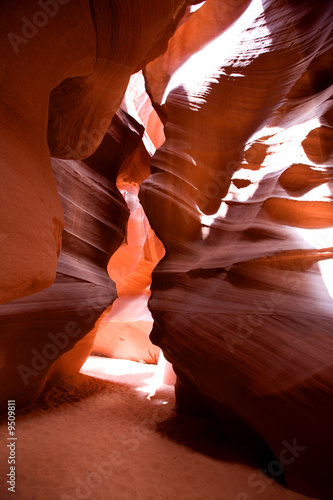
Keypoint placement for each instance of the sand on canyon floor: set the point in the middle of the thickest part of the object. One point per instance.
(97, 436)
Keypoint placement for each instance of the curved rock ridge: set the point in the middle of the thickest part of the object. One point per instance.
(49, 335)
(64, 69)
(240, 196)
(242, 300)
(126, 36)
(124, 329)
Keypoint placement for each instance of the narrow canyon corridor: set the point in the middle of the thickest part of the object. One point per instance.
(166, 240)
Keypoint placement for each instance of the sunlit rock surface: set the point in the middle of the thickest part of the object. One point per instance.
(50, 334)
(64, 70)
(124, 329)
(59, 325)
(241, 197)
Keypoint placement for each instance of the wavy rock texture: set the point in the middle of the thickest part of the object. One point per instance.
(64, 70)
(242, 300)
(240, 196)
(50, 334)
(86, 53)
(124, 330)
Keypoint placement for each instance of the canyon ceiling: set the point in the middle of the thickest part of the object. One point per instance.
(222, 114)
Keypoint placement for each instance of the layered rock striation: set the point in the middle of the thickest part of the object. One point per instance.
(242, 300)
(64, 70)
(240, 196)
(124, 329)
(50, 334)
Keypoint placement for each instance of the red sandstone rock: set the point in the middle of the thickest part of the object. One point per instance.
(240, 195)
(124, 329)
(49, 335)
(242, 301)
(63, 76)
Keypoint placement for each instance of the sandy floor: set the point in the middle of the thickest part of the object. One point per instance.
(97, 436)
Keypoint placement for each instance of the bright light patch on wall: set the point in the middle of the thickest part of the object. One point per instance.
(285, 146)
(193, 8)
(321, 239)
(317, 238)
(203, 68)
(208, 220)
(157, 380)
(326, 269)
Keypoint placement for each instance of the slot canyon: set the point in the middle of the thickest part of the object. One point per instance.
(166, 238)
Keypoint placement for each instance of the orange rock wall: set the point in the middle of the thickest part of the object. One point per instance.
(240, 195)
(242, 300)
